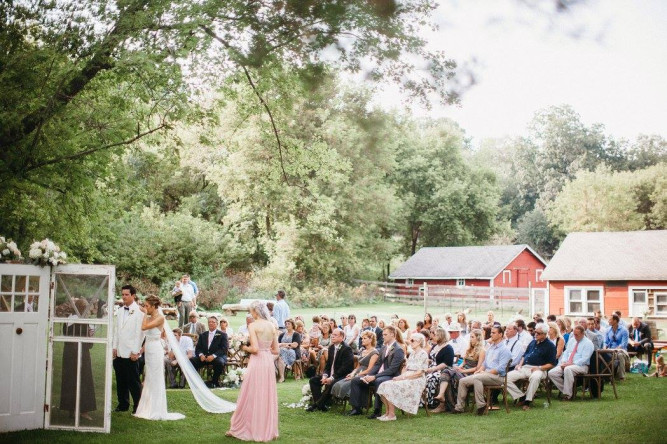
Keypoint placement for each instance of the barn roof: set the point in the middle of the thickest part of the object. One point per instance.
(617, 256)
(483, 262)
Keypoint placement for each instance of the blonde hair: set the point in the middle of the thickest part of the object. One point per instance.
(153, 301)
(370, 334)
(474, 350)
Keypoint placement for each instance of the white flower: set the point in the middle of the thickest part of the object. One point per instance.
(34, 253)
(11, 245)
(6, 251)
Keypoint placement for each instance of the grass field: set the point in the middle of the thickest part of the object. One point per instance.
(636, 417)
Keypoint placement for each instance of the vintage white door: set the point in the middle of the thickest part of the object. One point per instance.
(80, 333)
(639, 302)
(24, 306)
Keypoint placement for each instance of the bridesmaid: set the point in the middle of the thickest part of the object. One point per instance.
(256, 415)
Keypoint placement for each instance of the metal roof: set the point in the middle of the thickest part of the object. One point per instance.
(610, 256)
(483, 262)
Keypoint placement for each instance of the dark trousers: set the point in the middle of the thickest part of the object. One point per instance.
(218, 366)
(641, 349)
(127, 382)
(321, 393)
(359, 393)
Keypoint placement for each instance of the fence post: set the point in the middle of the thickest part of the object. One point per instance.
(425, 296)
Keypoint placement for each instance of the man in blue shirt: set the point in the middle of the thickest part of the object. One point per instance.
(617, 337)
(539, 358)
(492, 372)
(574, 361)
(281, 310)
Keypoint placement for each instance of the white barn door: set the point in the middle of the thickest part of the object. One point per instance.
(24, 306)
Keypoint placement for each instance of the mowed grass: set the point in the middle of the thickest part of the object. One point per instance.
(636, 417)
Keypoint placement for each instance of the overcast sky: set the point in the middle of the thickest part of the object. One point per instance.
(614, 73)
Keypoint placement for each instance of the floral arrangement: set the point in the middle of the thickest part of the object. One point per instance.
(304, 402)
(8, 250)
(233, 377)
(235, 343)
(46, 253)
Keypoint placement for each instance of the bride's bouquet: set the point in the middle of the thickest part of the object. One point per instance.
(46, 252)
(8, 250)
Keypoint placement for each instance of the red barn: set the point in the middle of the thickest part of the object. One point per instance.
(509, 266)
(624, 271)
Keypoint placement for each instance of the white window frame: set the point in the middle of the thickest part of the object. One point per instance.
(631, 290)
(409, 282)
(538, 274)
(584, 289)
(507, 273)
(660, 314)
(460, 282)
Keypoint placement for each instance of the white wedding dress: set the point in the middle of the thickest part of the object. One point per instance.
(153, 401)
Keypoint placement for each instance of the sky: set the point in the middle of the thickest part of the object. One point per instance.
(606, 58)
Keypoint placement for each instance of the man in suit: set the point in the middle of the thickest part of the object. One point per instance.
(378, 332)
(386, 368)
(127, 339)
(211, 349)
(640, 340)
(340, 363)
(194, 327)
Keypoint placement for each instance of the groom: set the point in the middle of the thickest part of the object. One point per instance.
(127, 339)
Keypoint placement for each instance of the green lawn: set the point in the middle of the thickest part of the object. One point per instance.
(636, 417)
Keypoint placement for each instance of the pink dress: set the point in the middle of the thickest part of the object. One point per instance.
(256, 415)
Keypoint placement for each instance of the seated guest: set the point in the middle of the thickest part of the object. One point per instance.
(369, 356)
(640, 340)
(365, 326)
(224, 326)
(194, 327)
(617, 337)
(601, 323)
(458, 343)
(404, 328)
(338, 366)
(377, 330)
(593, 334)
(289, 343)
(315, 331)
(352, 332)
(428, 320)
(449, 377)
(621, 322)
(524, 337)
(530, 328)
(448, 320)
(244, 328)
(551, 318)
(442, 357)
(319, 353)
(462, 322)
(661, 370)
(401, 341)
(420, 327)
(405, 390)
(539, 358)
(386, 368)
(492, 372)
(188, 348)
(305, 342)
(513, 343)
(211, 350)
(556, 338)
(563, 328)
(574, 362)
(490, 319)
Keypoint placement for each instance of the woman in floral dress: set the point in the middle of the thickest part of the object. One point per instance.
(405, 391)
(442, 357)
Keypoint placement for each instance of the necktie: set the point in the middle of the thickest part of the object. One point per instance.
(576, 345)
(637, 334)
(386, 352)
(333, 361)
(192, 328)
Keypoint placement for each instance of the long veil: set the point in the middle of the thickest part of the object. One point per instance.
(204, 397)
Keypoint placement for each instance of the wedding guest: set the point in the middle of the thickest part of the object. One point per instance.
(211, 349)
(386, 368)
(322, 349)
(458, 343)
(188, 291)
(194, 327)
(441, 356)
(289, 343)
(305, 343)
(490, 319)
(369, 356)
(315, 331)
(244, 329)
(449, 377)
(556, 338)
(448, 320)
(188, 348)
(575, 361)
(428, 320)
(640, 339)
(617, 337)
(365, 326)
(281, 311)
(404, 391)
(377, 330)
(404, 328)
(224, 326)
(419, 328)
(338, 366)
(274, 321)
(352, 332)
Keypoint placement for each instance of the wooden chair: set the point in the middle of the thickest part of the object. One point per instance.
(503, 389)
(545, 385)
(601, 370)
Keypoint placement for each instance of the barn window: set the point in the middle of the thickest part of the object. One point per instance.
(661, 303)
(507, 277)
(460, 282)
(538, 275)
(583, 300)
(409, 282)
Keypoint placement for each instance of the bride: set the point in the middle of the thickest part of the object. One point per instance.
(153, 401)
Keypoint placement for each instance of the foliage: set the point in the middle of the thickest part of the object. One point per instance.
(534, 229)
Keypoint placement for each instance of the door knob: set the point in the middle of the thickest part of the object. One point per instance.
(19, 331)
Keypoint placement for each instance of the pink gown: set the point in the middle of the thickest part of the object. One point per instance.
(256, 415)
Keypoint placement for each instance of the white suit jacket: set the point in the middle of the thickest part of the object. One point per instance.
(127, 334)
